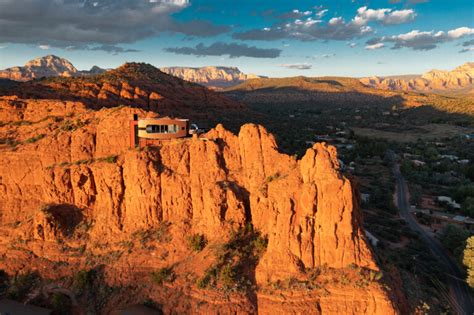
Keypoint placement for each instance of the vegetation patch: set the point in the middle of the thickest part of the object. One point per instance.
(21, 284)
(108, 159)
(69, 125)
(235, 261)
(163, 275)
(35, 138)
(158, 234)
(196, 242)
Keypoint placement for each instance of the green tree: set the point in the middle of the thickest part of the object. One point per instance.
(462, 192)
(431, 153)
(454, 238)
(467, 207)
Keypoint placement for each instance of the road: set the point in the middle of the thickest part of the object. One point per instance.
(457, 285)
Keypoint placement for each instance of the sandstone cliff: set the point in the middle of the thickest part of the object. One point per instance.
(47, 66)
(73, 196)
(132, 84)
(53, 66)
(435, 80)
(212, 77)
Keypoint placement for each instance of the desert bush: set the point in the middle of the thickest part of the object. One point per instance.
(82, 280)
(454, 239)
(3, 282)
(20, 285)
(108, 159)
(196, 242)
(35, 138)
(234, 260)
(61, 304)
(163, 275)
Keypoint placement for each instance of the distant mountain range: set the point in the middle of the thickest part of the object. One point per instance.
(213, 77)
(461, 78)
(219, 78)
(47, 66)
(53, 66)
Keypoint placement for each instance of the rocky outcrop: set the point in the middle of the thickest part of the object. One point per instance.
(47, 66)
(53, 66)
(212, 77)
(435, 80)
(88, 177)
(136, 85)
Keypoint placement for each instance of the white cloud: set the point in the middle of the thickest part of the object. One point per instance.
(352, 45)
(365, 15)
(328, 55)
(297, 66)
(321, 13)
(384, 16)
(374, 46)
(336, 20)
(296, 26)
(460, 32)
(401, 16)
(415, 34)
(44, 47)
(309, 21)
(423, 40)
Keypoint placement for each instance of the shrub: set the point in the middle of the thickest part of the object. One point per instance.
(109, 159)
(35, 138)
(227, 276)
(234, 260)
(3, 282)
(83, 280)
(197, 242)
(453, 236)
(163, 275)
(61, 304)
(22, 284)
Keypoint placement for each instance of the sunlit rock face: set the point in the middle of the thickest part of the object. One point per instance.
(79, 185)
(435, 80)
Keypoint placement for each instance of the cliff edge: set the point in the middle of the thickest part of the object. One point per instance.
(280, 235)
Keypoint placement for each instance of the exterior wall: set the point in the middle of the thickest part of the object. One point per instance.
(141, 138)
(183, 126)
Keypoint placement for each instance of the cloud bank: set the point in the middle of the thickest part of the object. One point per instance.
(308, 25)
(232, 50)
(423, 40)
(63, 23)
(297, 66)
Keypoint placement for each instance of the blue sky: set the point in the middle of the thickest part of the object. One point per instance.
(275, 38)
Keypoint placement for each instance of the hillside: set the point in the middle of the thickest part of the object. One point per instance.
(212, 77)
(461, 78)
(322, 91)
(47, 66)
(53, 66)
(331, 92)
(132, 84)
(224, 224)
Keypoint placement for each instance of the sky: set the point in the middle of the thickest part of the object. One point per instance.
(275, 38)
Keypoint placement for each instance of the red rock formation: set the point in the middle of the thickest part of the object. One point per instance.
(461, 77)
(210, 185)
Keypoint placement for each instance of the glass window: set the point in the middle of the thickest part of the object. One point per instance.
(163, 128)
